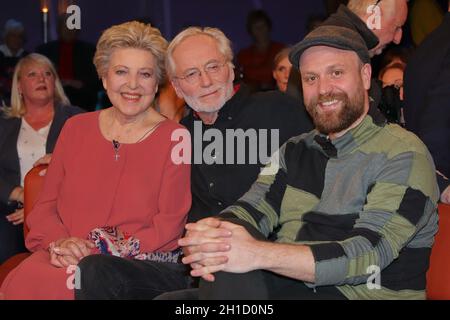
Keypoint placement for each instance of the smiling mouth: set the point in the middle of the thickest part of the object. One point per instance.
(131, 96)
(209, 94)
(330, 104)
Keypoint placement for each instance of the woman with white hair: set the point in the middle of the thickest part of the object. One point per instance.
(29, 128)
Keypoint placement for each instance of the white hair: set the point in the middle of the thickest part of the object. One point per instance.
(223, 44)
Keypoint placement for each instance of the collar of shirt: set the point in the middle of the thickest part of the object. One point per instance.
(351, 140)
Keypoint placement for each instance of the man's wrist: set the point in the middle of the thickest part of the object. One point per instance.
(262, 259)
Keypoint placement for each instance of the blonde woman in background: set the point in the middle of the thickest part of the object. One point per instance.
(28, 130)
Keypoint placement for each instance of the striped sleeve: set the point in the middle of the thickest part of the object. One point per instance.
(260, 206)
(398, 207)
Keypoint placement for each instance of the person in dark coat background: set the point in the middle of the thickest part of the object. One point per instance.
(11, 51)
(427, 99)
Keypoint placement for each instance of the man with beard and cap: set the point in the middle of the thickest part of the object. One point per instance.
(354, 200)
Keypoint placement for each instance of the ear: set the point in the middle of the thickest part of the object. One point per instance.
(177, 88)
(233, 74)
(366, 75)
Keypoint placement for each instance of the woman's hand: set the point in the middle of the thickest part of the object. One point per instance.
(69, 251)
(16, 217)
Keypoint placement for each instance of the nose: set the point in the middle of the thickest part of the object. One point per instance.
(133, 81)
(324, 86)
(205, 79)
(398, 36)
(41, 76)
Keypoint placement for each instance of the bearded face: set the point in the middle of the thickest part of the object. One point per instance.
(335, 112)
(335, 84)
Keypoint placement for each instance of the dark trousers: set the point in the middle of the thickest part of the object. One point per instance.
(11, 236)
(262, 285)
(109, 277)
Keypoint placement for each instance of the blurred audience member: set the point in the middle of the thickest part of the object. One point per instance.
(73, 59)
(391, 78)
(281, 69)
(111, 184)
(392, 75)
(28, 130)
(395, 54)
(10, 53)
(427, 99)
(14, 39)
(393, 14)
(255, 62)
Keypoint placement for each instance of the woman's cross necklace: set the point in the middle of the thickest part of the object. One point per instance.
(116, 144)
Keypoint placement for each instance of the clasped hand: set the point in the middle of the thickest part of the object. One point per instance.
(69, 251)
(212, 245)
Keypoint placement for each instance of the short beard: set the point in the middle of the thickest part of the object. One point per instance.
(350, 111)
(195, 104)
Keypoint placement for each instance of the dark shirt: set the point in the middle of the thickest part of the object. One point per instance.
(216, 186)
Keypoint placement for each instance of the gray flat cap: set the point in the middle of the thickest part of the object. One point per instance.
(331, 36)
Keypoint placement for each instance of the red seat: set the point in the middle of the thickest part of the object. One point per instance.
(33, 186)
(10, 264)
(438, 276)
